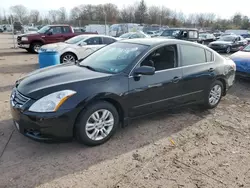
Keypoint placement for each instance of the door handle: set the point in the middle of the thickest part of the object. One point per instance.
(176, 79)
(211, 70)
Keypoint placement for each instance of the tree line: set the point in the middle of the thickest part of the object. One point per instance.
(136, 13)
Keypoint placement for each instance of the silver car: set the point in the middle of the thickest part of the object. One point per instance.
(78, 47)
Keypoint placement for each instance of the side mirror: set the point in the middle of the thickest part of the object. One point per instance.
(83, 44)
(49, 33)
(145, 70)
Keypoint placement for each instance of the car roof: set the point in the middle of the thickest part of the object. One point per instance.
(183, 28)
(95, 35)
(158, 41)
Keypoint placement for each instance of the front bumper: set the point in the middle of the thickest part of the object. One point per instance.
(243, 74)
(44, 126)
(23, 46)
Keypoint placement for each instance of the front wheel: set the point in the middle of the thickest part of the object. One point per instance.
(97, 123)
(214, 95)
(228, 50)
(68, 58)
(35, 47)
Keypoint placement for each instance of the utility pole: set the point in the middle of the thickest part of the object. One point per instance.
(11, 20)
(105, 20)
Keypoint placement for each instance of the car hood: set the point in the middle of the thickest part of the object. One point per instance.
(221, 42)
(55, 78)
(54, 46)
(30, 34)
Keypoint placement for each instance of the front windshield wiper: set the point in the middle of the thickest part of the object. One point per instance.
(88, 67)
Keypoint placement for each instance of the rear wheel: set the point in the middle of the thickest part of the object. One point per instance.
(68, 58)
(97, 123)
(214, 95)
(35, 47)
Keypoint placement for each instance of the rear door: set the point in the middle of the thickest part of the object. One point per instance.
(67, 32)
(159, 91)
(199, 71)
(56, 35)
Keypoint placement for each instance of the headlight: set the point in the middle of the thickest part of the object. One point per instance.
(51, 102)
(24, 39)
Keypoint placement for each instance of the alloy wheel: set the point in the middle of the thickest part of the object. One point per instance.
(215, 95)
(99, 124)
(69, 58)
(37, 47)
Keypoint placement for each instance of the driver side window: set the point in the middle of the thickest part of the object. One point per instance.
(163, 58)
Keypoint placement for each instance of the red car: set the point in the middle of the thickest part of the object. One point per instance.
(46, 35)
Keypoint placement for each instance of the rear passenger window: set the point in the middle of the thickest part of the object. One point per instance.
(209, 56)
(191, 55)
(66, 29)
(107, 40)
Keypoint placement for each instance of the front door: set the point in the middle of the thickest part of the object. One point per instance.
(198, 72)
(159, 91)
(93, 44)
(55, 34)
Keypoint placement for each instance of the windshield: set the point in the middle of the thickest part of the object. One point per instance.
(246, 49)
(44, 29)
(114, 58)
(125, 36)
(170, 33)
(76, 39)
(227, 38)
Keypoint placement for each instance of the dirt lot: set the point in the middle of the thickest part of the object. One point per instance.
(186, 148)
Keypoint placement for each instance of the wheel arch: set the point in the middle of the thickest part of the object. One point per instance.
(93, 100)
(223, 81)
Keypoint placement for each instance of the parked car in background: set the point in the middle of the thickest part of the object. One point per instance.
(217, 34)
(181, 33)
(78, 47)
(242, 61)
(242, 32)
(133, 35)
(228, 43)
(119, 82)
(46, 35)
(206, 38)
(28, 30)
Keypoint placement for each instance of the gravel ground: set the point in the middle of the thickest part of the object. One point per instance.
(186, 148)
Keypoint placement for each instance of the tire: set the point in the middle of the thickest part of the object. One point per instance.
(210, 100)
(34, 47)
(228, 50)
(68, 55)
(84, 136)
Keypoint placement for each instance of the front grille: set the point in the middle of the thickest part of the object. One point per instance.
(18, 39)
(17, 99)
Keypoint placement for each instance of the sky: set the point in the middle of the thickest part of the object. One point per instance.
(222, 8)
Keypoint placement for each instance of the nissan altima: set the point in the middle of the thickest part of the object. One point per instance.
(121, 81)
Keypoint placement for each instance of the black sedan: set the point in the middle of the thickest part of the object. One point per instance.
(119, 82)
(228, 43)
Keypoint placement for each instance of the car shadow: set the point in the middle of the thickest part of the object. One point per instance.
(14, 53)
(241, 88)
(28, 163)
